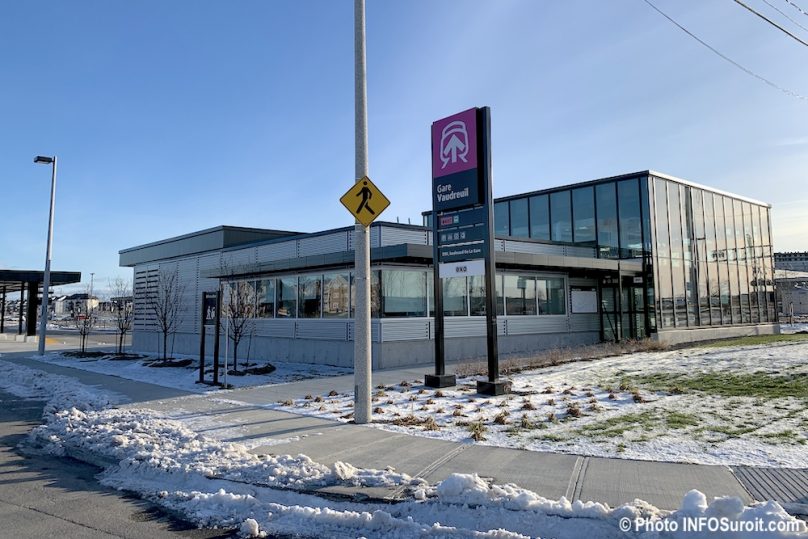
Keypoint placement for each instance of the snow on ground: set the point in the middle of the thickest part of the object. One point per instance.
(217, 484)
(186, 377)
(732, 406)
(801, 327)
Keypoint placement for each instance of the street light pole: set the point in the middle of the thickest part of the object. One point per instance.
(43, 317)
(362, 350)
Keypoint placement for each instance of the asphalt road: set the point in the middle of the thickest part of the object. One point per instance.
(60, 497)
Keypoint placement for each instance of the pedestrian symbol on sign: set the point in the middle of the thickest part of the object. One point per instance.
(363, 191)
(366, 195)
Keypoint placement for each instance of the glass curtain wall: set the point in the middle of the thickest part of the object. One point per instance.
(712, 258)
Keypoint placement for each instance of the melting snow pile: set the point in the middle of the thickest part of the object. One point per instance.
(219, 484)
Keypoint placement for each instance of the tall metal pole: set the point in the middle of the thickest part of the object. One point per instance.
(43, 317)
(362, 351)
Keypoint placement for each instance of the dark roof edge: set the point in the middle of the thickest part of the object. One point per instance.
(207, 231)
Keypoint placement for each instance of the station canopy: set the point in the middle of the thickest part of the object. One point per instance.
(15, 280)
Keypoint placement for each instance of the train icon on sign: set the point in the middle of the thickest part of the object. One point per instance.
(454, 143)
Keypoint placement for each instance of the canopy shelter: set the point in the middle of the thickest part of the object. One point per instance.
(31, 280)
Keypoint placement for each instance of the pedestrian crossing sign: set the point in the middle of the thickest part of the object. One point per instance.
(365, 201)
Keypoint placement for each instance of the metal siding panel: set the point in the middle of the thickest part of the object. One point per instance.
(330, 330)
(405, 329)
(464, 326)
(375, 236)
(276, 251)
(526, 325)
(375, 330)
(327, 243)
(584, 322)
(396, 236)
(532, 248)
(265, 327)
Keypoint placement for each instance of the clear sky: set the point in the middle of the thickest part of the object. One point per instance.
(170, 117)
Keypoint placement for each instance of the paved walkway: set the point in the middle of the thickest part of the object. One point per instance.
(238, 416)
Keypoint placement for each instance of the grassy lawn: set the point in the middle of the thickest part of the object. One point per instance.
(755, 340)
(726, 384)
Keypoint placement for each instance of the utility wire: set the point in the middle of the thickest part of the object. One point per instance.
(784, 14)
(798, 8)
(730, 60)
(768, 20)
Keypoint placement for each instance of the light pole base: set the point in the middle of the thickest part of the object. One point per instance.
(497, 387)
(440, 380)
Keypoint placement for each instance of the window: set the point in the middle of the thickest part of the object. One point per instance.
(583, 214)
(675, 220)
(661, 215)
(501, 219)
(403, 293)
(455, 300)
(540, 217)
(551, 295)
(266, 298)
(665, 293)
(519, 227)
(310, 296)
(374, 294)
(608, 242)
(477, 295)
(287, 297)
(628, 198)
(336, 295)
(560, 213)
(520, 295)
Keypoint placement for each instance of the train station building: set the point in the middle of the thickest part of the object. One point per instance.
(641, 255)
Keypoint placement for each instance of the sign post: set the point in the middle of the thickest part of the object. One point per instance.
(463, 228)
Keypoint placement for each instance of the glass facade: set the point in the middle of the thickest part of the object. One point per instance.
(707, 256)
(712, 258)
(400, 293)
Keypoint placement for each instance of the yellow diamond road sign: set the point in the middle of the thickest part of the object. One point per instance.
(365, 201)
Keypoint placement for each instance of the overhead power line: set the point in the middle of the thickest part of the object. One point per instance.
(784, 14)
(726, 58)
(768, 20)
(798, 8)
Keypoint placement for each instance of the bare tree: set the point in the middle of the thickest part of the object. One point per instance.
(239, 309)
(165, 302)
(84, 318)
(122, 303)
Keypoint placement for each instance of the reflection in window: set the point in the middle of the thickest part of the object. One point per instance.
(661, 216)
(665, 293)
(583, 214)
(310, 296)
(403, 293)
(628, 197)
(455, 301)
(266, 298)
(501, 219)
(675, 217)
(560, 213)
(374, 294)
(540, 217)
(519, 226)
(555, 295)
(477, 295)
(336, 288)
(520, 295)
(287, 297)
(608, 242)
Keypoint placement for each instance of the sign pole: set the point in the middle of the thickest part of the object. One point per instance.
(202, 339)
(494, 386)
(362, 344)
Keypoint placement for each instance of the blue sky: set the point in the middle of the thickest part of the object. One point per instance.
(170, 117)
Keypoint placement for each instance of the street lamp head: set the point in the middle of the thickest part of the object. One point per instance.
(43, 160)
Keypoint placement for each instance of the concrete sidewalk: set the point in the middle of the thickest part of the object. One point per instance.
(240, 416)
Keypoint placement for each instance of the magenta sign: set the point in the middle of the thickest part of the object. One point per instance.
(454, 143)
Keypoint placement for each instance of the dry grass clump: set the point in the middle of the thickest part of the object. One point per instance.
(378, 410)
(477, 430)
(502, 418)
(318, 398)
(574, 410)
(332, 393)
(439, 393)
(527, 404)
(558, 356)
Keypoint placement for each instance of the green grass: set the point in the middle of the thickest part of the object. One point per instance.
(754, 340)
(726, 384)
(642, 421)
(788, 437)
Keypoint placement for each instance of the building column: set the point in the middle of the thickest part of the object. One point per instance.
(3, 312)
(30, 317)
(19, 308)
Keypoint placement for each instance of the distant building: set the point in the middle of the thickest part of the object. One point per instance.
(73, 304)
(632, 256)
(792, 292)
(794, 261)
